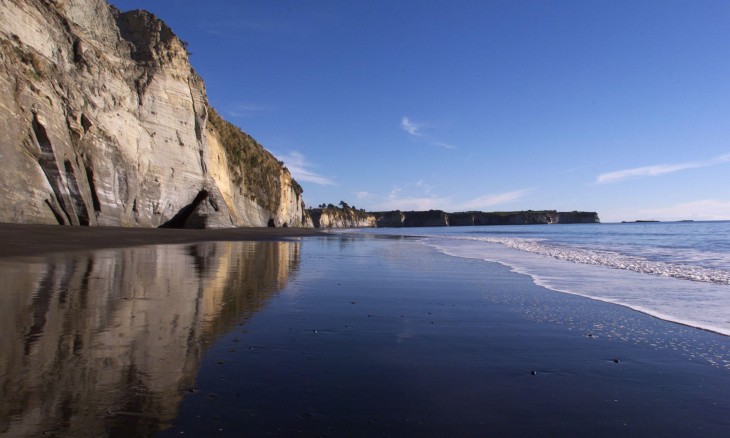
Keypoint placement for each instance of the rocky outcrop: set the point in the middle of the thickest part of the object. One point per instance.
(333, 217)
(522, 218)
(104, 122)
(430, 218)
(390, 219)
(576, 217)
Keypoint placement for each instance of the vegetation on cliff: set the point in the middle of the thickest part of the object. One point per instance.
(250, 164)
(103, 123)
(342, 216)
(327, 216)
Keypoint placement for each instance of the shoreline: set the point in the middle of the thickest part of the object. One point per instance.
(27, 240)
(435, 344)
(623, 287)
(387, 337)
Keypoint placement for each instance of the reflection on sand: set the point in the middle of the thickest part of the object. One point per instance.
(107, 343)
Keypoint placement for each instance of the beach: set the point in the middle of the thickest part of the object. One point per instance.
(29, 240)
(333, 335)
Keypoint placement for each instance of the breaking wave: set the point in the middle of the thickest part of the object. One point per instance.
(611, 259)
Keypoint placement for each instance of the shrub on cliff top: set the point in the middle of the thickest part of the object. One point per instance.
(250, 163)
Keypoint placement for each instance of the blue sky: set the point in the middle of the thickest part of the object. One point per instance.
(619, 107)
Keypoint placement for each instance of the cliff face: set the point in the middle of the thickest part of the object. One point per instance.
(341, 218)
(523, 218)
(104, 122)
(348, 218)
(430, 218)
(390, 219)
(576, 217)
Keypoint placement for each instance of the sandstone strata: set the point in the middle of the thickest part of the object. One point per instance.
(341, 218)
(104, 122)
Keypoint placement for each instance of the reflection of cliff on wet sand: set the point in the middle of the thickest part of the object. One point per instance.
(108, 342)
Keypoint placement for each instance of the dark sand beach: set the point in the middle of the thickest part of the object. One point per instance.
(336, 336)
(29, 240)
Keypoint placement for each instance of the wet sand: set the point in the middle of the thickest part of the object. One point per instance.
(387, 337)
(20, 240)
(339, 336)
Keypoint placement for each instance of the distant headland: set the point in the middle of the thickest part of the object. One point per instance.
(344, 216)
(104, 122)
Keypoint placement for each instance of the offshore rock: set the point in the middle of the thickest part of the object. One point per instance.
(104, 122)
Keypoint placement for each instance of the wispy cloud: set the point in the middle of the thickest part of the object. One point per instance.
(443, 145)
(416, 196)
(703, 209)
(416, 130)
(406, 203)
(486, 201)
(656, 170)
(246, 109)
(412, 128)
(300, 169)
(363, 195)
(421, 196)
(426, 187)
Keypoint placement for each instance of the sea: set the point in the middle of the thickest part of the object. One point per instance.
(675, 271)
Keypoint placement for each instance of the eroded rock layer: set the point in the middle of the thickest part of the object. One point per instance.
(104, 122)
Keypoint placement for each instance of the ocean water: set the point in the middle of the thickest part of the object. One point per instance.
(676, 271)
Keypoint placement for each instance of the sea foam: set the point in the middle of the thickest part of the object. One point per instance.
(690, 295)
(611, 259)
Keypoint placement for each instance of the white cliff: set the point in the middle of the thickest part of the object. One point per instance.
(333, 217)
(104, 122)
